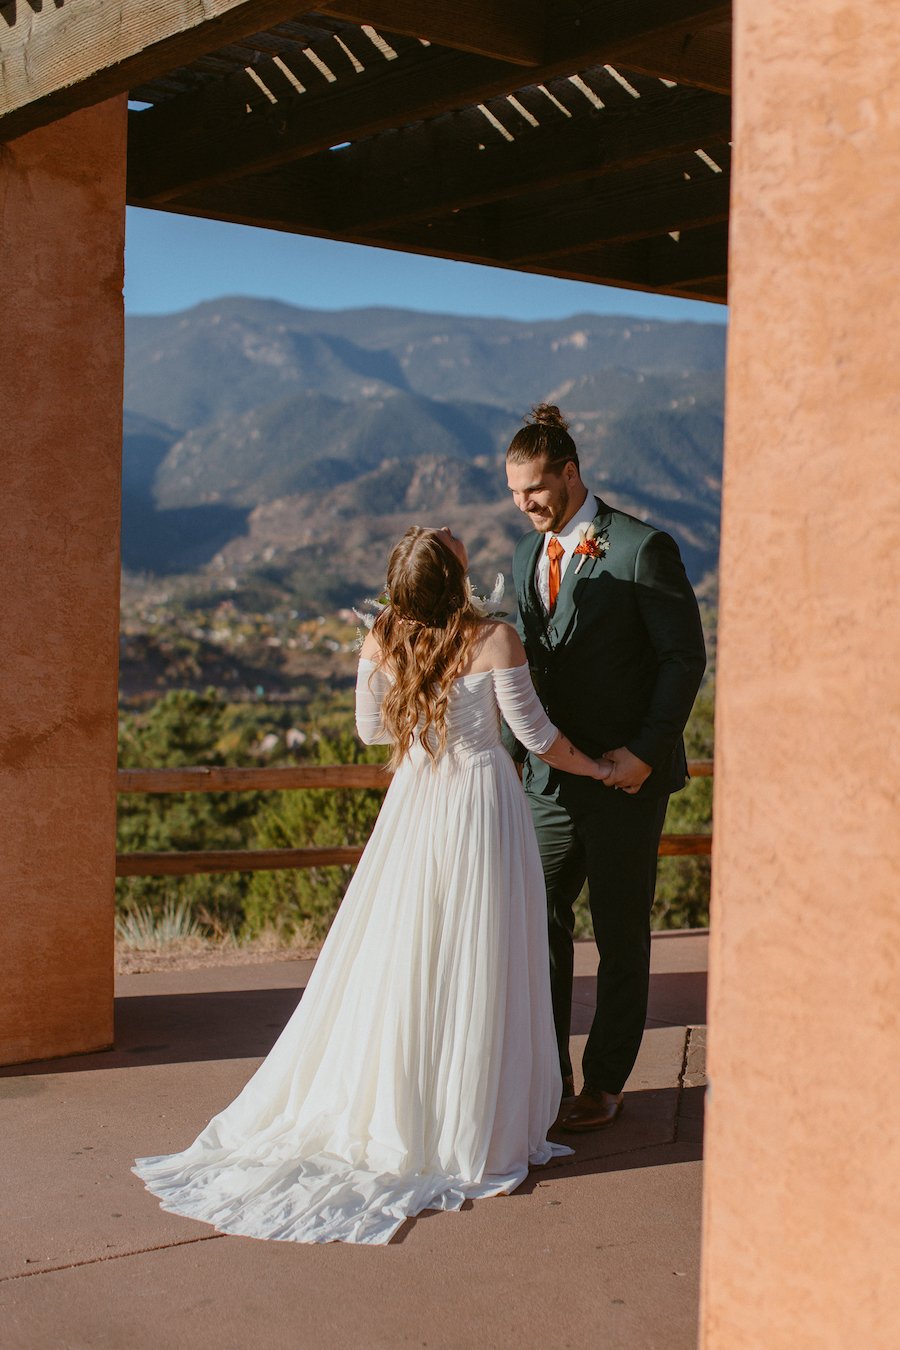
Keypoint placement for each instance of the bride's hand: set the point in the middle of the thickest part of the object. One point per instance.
(604, 769)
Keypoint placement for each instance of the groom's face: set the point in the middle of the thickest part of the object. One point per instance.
(542, 494)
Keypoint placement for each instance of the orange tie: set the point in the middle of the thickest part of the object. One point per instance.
(555, 551)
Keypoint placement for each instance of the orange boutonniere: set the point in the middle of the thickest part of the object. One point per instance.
(592, 544)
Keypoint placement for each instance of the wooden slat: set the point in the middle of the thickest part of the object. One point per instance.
(277, 778)
(274, 778)
(685, 846)
(232, 860)
(274, 859)
(69, 54)
(508, 30)
(393, 179)
(207, 138)
(224, 779)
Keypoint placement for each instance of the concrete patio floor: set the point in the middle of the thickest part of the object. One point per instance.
(598, 1250)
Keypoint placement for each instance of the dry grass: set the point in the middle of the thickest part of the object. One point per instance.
(174, 941)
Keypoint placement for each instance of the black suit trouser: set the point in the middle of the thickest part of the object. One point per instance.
(612, 842)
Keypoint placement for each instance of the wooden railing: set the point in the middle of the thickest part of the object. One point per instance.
(225, 779)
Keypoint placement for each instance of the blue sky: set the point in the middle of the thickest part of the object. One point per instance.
(173, 262)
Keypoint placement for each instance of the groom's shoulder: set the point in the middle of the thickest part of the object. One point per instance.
(631, 526)
(624, 521)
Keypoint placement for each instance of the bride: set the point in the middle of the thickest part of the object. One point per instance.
(420, 1068)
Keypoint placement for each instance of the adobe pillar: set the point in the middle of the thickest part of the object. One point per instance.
(62, 222)
(802, 1245)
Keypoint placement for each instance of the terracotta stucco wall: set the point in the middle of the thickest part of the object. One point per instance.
(62, 222)
(803, 1159)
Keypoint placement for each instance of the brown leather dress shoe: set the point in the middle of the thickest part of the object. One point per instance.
(592, 1112)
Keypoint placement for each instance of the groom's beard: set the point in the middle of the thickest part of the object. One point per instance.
(551, 518)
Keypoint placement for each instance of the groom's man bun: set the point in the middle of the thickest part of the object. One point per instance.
(544, 436)
(548, 415)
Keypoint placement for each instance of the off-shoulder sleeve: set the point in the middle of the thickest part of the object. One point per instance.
(521, 709)
(371, 687)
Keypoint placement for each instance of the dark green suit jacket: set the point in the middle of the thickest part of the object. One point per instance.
(620, 660)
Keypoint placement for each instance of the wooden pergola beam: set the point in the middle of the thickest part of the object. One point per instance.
(617, 217)
(629, 206)
(531, 32)
(492, 238)
(650, 265)
(714, 290)
(73, 53)
(593, 269)
(619, 265)
(698, 259)
(210, 138)
(506, 30)
(396, 179)
(700, 57)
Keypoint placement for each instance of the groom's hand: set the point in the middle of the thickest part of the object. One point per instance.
(628, 773)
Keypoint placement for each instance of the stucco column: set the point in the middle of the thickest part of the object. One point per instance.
(62, 223)
(803, 1156)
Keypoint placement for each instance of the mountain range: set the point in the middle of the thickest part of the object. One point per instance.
(279, 451)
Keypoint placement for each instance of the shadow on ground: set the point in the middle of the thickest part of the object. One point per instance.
(677, 999)
(244, 1024)
(181, 1028)
(176, 1027)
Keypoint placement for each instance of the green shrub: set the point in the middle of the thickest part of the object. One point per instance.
(182, 728)
(307, 899)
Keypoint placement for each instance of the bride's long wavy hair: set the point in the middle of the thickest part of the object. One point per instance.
(424, 633)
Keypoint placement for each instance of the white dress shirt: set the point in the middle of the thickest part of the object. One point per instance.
(569, 537)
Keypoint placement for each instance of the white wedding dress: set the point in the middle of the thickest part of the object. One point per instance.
(420, 1068)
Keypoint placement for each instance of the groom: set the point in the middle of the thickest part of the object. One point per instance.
(612, 631)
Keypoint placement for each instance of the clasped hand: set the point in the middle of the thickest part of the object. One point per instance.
(626, 771)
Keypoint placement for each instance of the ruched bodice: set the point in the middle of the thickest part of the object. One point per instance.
(473, 719)
(473, 714)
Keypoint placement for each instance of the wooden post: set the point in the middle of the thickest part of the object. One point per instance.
(62, 218)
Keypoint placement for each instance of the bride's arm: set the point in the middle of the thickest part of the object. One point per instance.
(566, 756)
(371, 685)
(524, 714)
